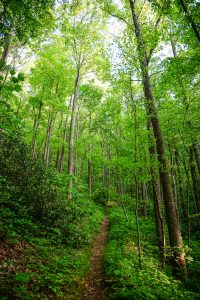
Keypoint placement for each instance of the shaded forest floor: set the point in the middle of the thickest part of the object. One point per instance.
(126, 280)
(103, 265)
(37, 264)
(95, 286)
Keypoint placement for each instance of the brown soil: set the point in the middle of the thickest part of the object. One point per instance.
(95, 286)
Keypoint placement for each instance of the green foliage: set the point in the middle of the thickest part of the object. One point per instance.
(121, 264)
(40, 198)
(45, 238)
(10, 121)
(42, 201)
(42, 271)
(47, 235)
(27, 19)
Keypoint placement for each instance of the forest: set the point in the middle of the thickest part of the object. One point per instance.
(99, 149)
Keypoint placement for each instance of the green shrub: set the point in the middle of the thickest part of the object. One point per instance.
(46, 237)
(126, 280)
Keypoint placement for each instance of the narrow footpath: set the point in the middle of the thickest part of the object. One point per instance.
(95, 286)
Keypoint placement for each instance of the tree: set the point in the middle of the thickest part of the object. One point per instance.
(24, 22)
(81, 33)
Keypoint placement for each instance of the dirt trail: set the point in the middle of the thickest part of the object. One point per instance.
(95, 287)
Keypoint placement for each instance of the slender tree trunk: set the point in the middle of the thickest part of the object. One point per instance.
(196, 151)
(136, 183)
(89, 160)
(192, 193)
(103, 165)
(109, 173)
(59, 136)
(138, 227)
(144, 203)
(121, 194)
(6, 50)
(90, 177)
(180, 186)
(71, 134)
(173, 177)
(160, 229)
(192, 23)
(131, 189)
(62, 153)
(48, 139)
(188, 219)
(35, 128)
(195, 145)
(178, 257)
(76, 169)
(194, 180)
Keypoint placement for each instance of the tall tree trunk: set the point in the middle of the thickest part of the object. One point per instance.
(6, 50)
(191, 21)
(138, 226)
(108, 183)
(59, 136)
(192, 193)
(178, 257)
(48, 139)
(90, 177)
(62, 153)
(144, 200)
(173, 177)
(194, 180)
(196, 151)
(89, 160)
(160, 229)
(76, 169)
(35, 128)
(71, 135)
(186, 102)
(181, 187)
(121, 194)
(103, 165)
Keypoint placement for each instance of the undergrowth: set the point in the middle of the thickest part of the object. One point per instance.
(123, 275)
(45, 238)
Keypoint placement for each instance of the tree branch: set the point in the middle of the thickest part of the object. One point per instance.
(118, 17)
(152, 49)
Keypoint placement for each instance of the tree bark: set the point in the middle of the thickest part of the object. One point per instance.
(138, 226)
(71, 135)
(173, 177)
(196, 151)
(195, 145)
(62, 153)
(89, 160)
(192, 23)
(59, 136)
(144, 202)
(48, 139)
(6, 50)
(35, 128)
(75, 168)
(181, 187)
(194, 180)
(178, 257)
(160, 229)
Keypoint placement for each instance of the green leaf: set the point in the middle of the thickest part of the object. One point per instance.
(17, 88)
(22, 277)
(12, 72)
(14, 79)
(21, 77)
(117, 272)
